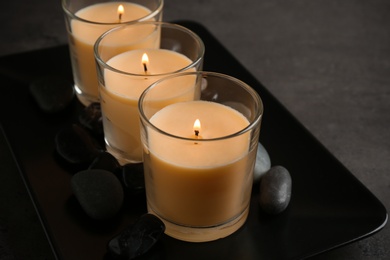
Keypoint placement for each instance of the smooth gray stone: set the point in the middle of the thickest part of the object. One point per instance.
(275, 190)
(263, 163)
(99, 193)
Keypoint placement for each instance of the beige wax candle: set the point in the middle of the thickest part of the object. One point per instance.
(197, 184)
(84, 35)
(119, 96)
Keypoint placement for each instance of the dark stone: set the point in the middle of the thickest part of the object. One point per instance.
(91, 118)
(76, 145)
(133, 178)
(138, 238)
(275, 190)
(106, 161)
(52, 93)
(99, 193)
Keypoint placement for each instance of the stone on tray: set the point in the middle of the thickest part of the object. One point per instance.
(133, 177)
(106, 161)
(138, 238)
(263, 163)
(99, 193)
(76, 145)
(52, 93)
(91, 118)
(275, 190)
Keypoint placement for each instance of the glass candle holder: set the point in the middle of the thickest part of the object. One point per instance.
(199, 154)
(86, 20)
(126, 68)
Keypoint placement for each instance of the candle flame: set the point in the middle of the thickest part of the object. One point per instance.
(197, 127)
(121, 11)
(145, 62)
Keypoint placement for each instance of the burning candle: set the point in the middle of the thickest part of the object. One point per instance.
(84, 28)
(199, 156)
(199, 183)
(121, 92)
(125, 75)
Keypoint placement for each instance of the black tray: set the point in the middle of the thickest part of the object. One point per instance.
(329, 206)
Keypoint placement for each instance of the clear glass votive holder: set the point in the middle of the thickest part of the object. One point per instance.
(199, 154)
(86, 20)
(124, 73)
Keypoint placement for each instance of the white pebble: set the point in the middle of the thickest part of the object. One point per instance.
(263, 163)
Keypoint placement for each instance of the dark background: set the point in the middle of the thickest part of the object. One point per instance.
(327, 61)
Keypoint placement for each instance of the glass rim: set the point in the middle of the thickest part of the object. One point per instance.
(193, 64)
(256, 97)
(149, 16)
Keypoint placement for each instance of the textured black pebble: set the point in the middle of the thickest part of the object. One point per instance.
(138, 238)
(91, 118)
(106, 161)
(133, 177)
(99, 193)
(275, 190)
(52, 93)
(76, 145)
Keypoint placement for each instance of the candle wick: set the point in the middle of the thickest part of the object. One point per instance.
(120, 17)
(196, 135)
(145, 68)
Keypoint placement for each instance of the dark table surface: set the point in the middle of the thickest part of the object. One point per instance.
(328, 62)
